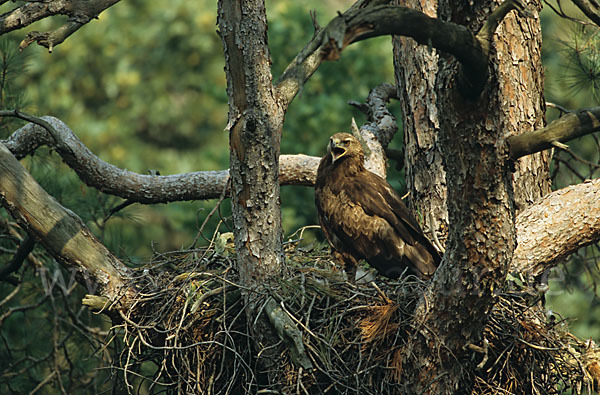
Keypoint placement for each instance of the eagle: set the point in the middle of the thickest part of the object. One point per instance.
(364, 218)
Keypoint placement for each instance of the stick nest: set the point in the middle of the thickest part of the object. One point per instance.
(189, 323)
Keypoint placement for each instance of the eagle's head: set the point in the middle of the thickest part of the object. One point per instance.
(344, 145)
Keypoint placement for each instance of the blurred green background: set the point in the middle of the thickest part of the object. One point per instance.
(144, 88)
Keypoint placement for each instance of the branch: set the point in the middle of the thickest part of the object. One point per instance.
(591, 9)
(557, 226)
(141, 188)
(51, 39)
(309, 58)
(377, 133)
(79, 13)
(572, 125)
(24, 249)
(358, 24)
(59, 230)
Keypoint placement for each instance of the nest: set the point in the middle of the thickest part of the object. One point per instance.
(326, 335)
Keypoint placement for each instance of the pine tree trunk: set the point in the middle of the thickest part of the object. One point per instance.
(255, 121)
(458, 176)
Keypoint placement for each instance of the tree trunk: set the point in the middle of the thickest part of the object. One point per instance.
(416, 68)
(456, 170)
(255, 122)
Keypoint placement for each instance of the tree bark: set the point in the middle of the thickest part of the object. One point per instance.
(444, 131)
(416, 68)
(255, 121)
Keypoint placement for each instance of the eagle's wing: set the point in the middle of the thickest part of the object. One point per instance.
(368, 218)
(363, 216)
(378, 198)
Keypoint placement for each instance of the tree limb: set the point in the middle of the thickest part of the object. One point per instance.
(59, 230)
(79, 12)
(377, 133)
(53, 38)
(591, 9)
(374, 20)
(557, 226)
(569, 126)
(309, 59)
(142, 188)
(24, 249)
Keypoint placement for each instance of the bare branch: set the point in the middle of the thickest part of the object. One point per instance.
(591, 9)
(557, 226)
(24, 249)
(51, 39)
(309, 58)
(29, 13)
(572, 125)
(59, 230)
(141, 188)
(79, 13)
(358, 24)
(377, 133)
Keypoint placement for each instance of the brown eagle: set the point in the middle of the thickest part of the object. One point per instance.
(364, 218)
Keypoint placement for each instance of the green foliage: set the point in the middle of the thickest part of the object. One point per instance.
(144, 88)
(572, 64)
(12, 66)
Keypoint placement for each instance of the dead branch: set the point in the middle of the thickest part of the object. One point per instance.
(380, 128)
(568, 127)
(371, 18)
(142, 188)
(59, 230)
(79, 13)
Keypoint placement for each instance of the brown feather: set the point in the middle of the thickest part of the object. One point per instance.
(364, 218)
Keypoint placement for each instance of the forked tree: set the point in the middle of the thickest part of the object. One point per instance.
(470, 81)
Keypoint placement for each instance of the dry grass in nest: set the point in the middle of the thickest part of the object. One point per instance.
(189, 320)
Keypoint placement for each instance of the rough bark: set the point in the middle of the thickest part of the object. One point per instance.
(416, 67)
(255, 121)
(468, 136)
(520, 74)
(557, 226)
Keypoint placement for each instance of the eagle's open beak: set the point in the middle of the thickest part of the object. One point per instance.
(335, 150)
